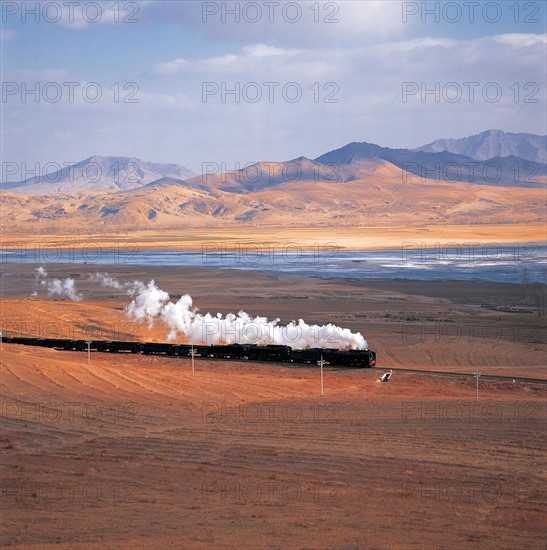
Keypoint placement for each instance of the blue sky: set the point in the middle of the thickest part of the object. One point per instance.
(350, 61)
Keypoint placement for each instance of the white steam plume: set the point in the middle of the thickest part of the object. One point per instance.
(106, 280)
(39, 278)
(64, 288)
(150, 302)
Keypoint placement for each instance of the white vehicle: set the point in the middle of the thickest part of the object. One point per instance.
(386, 376)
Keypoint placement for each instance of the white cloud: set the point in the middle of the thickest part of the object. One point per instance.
(171, 67)
(263, 50)
(171, 122)
(521, 40)
(302, 23)
(251, 57)
(257, 62)
(429, 58)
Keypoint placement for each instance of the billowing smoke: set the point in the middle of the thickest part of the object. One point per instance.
(150, 303)
(64, 288)
(106, 280)
(40, 275)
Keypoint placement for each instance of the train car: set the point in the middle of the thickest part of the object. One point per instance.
(57, 343)
(335, 357)
(352, 358)
(200, 351)
(100, 345)
(78, 345)
(310, 355)
(158, 348)
(21, 340)
(253, 352)
(124, 347)
(230, 351)
(61, 343)
(183, 350)
(269, 353)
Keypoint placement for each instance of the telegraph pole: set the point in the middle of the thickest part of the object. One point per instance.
(88, 342)
(192, 353)
(321, 363)
(477, 376)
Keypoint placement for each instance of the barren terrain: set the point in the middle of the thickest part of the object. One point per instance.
(270, 237)
(386, 205)
(433, 324)
(134, 451)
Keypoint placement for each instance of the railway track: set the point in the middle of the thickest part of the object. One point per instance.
(281, 354)
(270, 353)
(469, 375)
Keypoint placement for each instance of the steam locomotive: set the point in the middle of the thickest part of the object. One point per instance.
(251, 352)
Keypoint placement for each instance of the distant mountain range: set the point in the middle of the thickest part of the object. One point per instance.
(491, 144)
(356, 184)
(356, 161)
(508, 171)
(378, 196)
(491, 158)
(100, 173)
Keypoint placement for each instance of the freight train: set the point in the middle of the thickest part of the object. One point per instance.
(251, 352)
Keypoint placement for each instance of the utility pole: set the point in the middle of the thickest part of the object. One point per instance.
(321, 363)
(88, 342)
(477, 376)
(192, 353)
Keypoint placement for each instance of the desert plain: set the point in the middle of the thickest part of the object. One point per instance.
(137, 452)
(154, 150)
